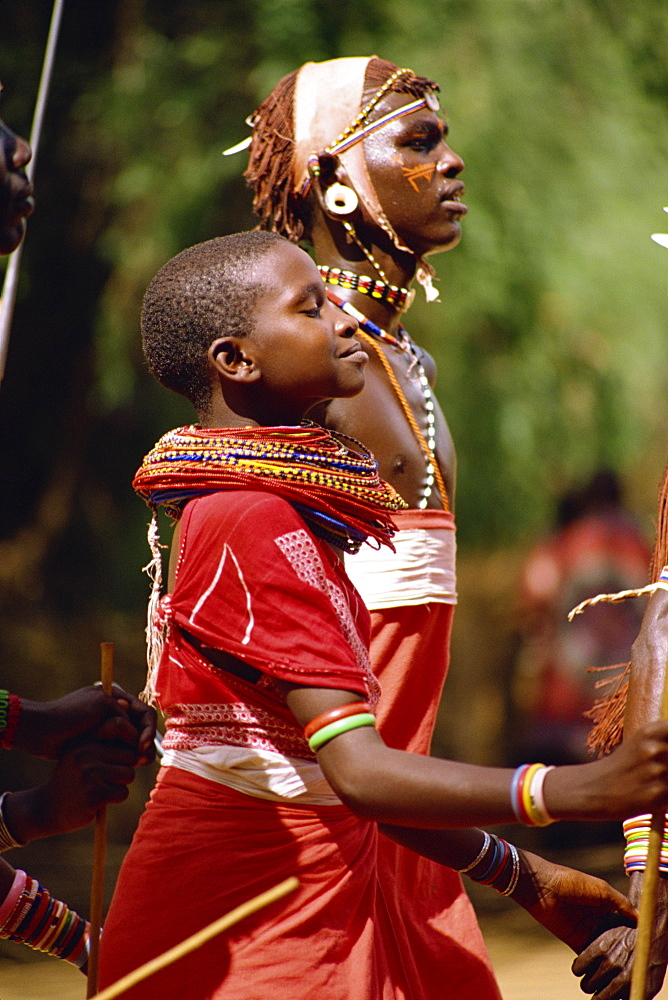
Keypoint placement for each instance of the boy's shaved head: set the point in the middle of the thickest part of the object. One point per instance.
(202, 294)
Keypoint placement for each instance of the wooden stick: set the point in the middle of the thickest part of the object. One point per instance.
(198, 939)
(99, 845)
(12, 273)
(650, 882)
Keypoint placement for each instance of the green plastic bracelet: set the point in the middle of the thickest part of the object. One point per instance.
(328, 733)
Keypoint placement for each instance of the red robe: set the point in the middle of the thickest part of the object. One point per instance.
(252, 580)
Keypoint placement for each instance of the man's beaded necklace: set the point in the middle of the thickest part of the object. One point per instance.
(398, 297)
(402, 342)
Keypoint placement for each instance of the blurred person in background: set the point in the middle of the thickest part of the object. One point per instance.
(96, 739)
(597, 547)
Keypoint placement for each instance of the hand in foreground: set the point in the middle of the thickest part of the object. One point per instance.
(87, 776)
(606, 964)
(44, 728)
(573, 906)
(632, 779)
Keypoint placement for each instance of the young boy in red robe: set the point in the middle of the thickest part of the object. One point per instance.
(259, 661)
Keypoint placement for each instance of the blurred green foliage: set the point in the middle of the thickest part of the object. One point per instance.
(550, 335)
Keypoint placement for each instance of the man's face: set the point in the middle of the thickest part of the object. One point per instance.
(16, 201)
(415, 174)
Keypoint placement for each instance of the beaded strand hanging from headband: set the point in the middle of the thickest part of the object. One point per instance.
(368, 108)
(372, 333)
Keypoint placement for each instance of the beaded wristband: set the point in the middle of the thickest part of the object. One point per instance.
(333, 715)
(13, 896)
(516, 793)
(483, 851)
(498, 863)
(527, 779)
(535, 798)
(10, 709)
(7, 839)
(526, 795)
(515, 874)
(636, 832)
(497, 867)
(44, 923)
(328, 733)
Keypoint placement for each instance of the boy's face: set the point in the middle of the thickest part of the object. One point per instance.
(415, 174)
(16, 202)
(303, 345)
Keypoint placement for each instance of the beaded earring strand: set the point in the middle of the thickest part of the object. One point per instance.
(372, 333)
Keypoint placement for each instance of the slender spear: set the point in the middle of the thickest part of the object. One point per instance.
(99, 845)
(198, 939)
(12, 273)
(650, 881)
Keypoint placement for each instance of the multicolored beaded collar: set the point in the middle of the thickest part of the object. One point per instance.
(331, 479)
(398, 297)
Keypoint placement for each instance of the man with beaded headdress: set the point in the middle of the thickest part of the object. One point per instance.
(351, 155)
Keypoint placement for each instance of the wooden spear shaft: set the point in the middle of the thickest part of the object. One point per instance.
(198, 939)
(650, 882)
(99, 845)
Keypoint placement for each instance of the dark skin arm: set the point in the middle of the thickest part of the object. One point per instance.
(44, 728)
(575, 907)
(606, 965)
(93, 770)
(404, 791)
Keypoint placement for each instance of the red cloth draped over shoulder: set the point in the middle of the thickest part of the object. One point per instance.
(252, 580)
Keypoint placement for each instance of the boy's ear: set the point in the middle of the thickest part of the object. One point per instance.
(232, 357)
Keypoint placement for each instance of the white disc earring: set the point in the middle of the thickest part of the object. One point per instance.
(340, 200)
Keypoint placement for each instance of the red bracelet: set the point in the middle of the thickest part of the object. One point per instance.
(334, 714)
(13, 712)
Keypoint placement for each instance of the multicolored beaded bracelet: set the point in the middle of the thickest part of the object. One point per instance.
(636, 832)
(526, 795)
(30, 915)
(10, 709)
(496, 870)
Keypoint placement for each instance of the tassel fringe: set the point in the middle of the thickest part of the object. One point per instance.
(155, 631)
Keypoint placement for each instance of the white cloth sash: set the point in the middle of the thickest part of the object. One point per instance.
(421, 570)
(262, 774)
